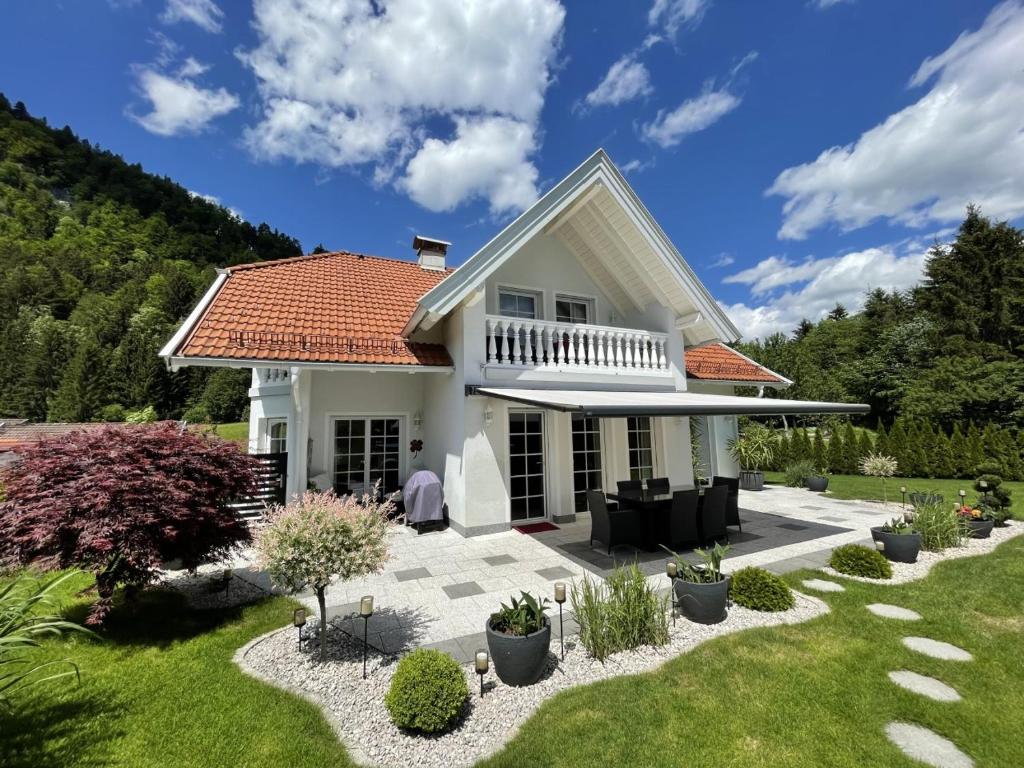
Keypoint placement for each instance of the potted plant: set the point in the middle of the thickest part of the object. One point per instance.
(753, 449)
(817, 482)
(702, 591)
(518, 637)
(897, 540)
(979, 525)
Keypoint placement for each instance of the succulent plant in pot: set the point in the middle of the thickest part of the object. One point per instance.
(897, 540)
(753, 449)
(702, 591)
(518, 638)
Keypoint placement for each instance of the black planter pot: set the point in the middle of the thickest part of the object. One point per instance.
(980, 529)
(519, 660)
(817, 483)
(751, 481)
(702, 603)
(898, 547)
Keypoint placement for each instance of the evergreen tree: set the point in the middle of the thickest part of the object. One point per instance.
(882, 440)
(897, 444)
(850, 450)
(82, 391)
(784, 452)
(819, 455)
(942, 457)
(975, 450)
(835, 451)
(961, 453)
(864, 446)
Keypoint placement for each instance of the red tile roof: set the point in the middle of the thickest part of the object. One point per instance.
(717, 362)
(333, 308)
(18, 433)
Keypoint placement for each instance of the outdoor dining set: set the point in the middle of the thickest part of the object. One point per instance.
(650, 514)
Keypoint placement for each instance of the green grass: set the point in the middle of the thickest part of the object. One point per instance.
(813, 694)
(159, 689)
(862, 487)
(236, 432)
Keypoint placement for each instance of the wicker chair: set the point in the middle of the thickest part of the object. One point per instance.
(682, 521)
(712, 514)
(611, 528)
(732, 505)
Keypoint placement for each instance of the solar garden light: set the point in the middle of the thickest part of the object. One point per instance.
(560, 599)
(963, 494)
(983, 484)
(299, 620)
(366, 611)
(482, 664)
(903, 496)
(672, 571)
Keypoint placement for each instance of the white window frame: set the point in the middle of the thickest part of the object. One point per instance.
(271, 423)
(588, 301)
(653, 431)
(545, 425)
(603, 454)
(536, 294)
(403, 437)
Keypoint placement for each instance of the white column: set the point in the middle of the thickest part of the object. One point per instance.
(298, 432)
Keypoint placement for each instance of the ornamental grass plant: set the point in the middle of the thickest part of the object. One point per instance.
(625, 612)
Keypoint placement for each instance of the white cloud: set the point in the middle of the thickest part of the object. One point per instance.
(487, 158)
(344, 84)
(214, 200)
(626, 79)
(961, 142)
(823, 5)
(693, 115)
(673, 14)
(815, 286)
(636, 166)
(203, 13)
(178, 104)
(723, 260)
(192, 68)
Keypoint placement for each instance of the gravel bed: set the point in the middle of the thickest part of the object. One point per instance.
(355, 707)
(904, 572)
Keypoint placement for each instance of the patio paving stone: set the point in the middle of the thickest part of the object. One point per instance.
(793, 527)
(556, 572)
(465, 589)
(412, 573)
(499, 560)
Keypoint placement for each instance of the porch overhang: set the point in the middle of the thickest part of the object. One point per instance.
(612, 404)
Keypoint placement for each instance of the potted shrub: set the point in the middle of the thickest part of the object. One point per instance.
(753, 449)
(702, 591)
(897, 540)
(979, 526)
(518, 637)
(817, 482)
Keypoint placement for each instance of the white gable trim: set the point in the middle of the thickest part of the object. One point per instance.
(598, 169)
(186, 327)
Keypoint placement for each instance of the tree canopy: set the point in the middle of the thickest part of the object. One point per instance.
(100, 262)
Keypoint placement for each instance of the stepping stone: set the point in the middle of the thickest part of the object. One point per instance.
(937, 649)
(823, 586)
(893, 612)
(936, 690)
(926, 746)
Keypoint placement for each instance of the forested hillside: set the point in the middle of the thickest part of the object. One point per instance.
(99, 261)
(950, 351)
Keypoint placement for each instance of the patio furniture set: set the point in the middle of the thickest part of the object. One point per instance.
(658, 514)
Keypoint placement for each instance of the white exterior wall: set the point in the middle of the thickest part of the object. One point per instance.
(266, 402)
(721, 429)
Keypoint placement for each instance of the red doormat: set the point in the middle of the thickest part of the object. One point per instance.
(536, 527)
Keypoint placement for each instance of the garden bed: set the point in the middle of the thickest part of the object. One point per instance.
(355, 707)
(904, 572)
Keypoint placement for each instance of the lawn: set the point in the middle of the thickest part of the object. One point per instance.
(814, 694)
(861, 487)
(160, 689)
(236, 432)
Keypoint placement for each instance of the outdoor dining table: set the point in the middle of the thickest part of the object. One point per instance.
(654, 507)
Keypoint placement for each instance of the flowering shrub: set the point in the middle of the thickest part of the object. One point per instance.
(120, 501)
(968, 512)
(877, 465)
(319, 538)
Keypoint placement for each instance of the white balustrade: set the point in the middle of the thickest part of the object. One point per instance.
(515, 342)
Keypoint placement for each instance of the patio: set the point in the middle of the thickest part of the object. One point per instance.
(439, 588)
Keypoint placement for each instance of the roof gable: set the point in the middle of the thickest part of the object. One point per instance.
(717, 362)
(597, 186)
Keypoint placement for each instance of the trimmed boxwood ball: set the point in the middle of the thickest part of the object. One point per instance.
(427, 692)
(760, 590)
(858, 560)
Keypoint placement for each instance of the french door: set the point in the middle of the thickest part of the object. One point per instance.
(641, 447)
(586, 459)
(367, 450)
(526, 465)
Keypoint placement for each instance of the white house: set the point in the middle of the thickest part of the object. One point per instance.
(575, 349)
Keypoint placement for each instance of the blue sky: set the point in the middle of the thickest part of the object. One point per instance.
(797, 152)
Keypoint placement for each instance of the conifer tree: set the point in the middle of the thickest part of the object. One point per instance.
(784, 451)
(942, 457)
(882, 440)
(975, 450)
(836, 450)
(865, 446)
(850, 450)
(819, 455)
(82, 390)
(897, 445)
(961, 453)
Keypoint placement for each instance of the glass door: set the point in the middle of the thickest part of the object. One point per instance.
(586, 459)
(641, 447)
(367, 450)
(526, 465)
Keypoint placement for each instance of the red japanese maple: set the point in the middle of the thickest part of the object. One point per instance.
(121, 500)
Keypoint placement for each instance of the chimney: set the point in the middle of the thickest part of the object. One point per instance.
(430, 253)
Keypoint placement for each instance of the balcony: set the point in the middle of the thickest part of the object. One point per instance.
(544, 345)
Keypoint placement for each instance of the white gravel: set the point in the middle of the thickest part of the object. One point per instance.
(355, 707)
(904, 572)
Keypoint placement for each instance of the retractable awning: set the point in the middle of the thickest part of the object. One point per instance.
(619, 404)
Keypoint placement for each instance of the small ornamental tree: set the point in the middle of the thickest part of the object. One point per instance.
(120, 501)
(319, 538)
(877, 465)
